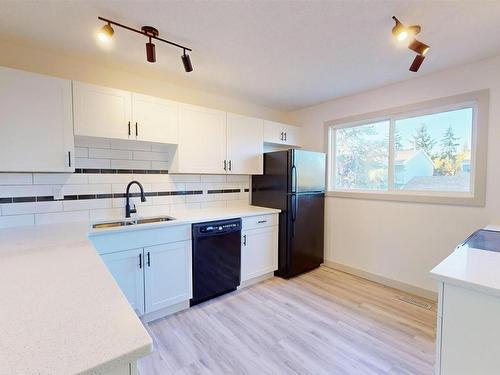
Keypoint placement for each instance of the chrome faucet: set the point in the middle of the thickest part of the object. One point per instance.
(129, 210)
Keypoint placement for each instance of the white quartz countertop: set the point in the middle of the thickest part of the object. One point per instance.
(471, 268)
(61, 310)
(194, 216)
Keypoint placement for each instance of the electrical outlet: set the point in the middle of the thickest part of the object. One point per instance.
(57, 192)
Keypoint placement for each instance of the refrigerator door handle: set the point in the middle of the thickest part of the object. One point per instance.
(294, 179)
(294, 213)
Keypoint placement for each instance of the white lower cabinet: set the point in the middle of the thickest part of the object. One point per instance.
(156, 274)
(167, 275)
(259, 249)
(127, 269)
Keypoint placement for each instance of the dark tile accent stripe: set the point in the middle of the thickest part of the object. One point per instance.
(247, 190)
(7, 200)
(224, 191)
(121, 171)
(23, 199)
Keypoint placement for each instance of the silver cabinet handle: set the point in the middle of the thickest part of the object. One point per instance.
(140, 260)
(261, 221)
(244, 240)
(136, 130)
(281, 136)
(129, 133)
(69, 158)
(225, 165)
(230, 164)
(285, 136)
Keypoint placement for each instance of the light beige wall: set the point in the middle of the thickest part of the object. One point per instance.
(403, 241)
(18, 56)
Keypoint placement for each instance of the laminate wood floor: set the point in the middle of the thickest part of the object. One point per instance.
(323, 322)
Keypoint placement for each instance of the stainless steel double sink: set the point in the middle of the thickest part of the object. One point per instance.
(126, 222)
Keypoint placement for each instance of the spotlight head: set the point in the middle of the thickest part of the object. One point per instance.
(150, 52)
(415, 65)
(188, 67)
(106, 33)
(419, 47)
(399, 31)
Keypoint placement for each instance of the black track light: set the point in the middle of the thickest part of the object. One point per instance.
(149, 32)
(415, 65)
(188, 67)
(419, 47)
(150, 52)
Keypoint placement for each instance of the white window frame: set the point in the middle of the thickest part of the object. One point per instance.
(478, 101)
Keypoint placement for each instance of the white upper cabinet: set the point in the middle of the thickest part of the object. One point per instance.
(245, 144)
(283, 134)
(36, 123)
(155, 119)
(202, 140)
(102, 112)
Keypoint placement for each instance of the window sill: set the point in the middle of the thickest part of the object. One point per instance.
(459, 199)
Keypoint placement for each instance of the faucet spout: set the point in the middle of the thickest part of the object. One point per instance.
(129, 210)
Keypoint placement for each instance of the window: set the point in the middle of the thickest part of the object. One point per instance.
(429, 152)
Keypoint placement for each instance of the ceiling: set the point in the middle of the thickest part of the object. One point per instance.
(282, 54)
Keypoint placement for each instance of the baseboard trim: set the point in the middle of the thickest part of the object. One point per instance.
(146, 318)
(424, 293)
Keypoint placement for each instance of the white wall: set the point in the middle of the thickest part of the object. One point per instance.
(56, 64)
(395, 240)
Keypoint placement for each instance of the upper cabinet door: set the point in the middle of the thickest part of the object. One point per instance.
(36, 123)
(245, 144)
(155, 119)
(202, 140)
(102, 112)
(283, 134)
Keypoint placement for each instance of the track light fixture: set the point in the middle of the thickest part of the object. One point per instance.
(150, 32)
(106, 33)
(402, 33)
(188, 67)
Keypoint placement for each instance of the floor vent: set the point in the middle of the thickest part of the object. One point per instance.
(416, 302)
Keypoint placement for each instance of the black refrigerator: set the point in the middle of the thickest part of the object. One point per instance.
(294, 182)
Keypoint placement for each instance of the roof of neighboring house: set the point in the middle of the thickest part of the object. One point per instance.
(459, 182)
(403, 156)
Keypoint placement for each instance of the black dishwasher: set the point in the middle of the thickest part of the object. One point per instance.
(216, 258)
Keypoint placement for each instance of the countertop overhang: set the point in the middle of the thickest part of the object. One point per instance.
(471, 268)
(62, 312)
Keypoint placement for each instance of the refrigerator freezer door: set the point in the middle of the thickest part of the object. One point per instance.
(306, 243)
(307, 171)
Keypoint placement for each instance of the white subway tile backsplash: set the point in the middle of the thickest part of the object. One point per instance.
(100, 153)
(59, 178)
(61, 217)
(16, 221)
(25, 190)
(162, 165)
(130, 164)
(86, 204)
(106, 178)
(16, 179)
(213, 178)
(92, 163)
(118, 144)
(30, 208)
(81, 141)
(148, 155)
(87, 189)
(81, 152)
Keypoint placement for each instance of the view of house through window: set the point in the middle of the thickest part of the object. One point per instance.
(430, 152)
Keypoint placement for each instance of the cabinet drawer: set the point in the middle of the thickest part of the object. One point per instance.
(260, 221)
(111, 242)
